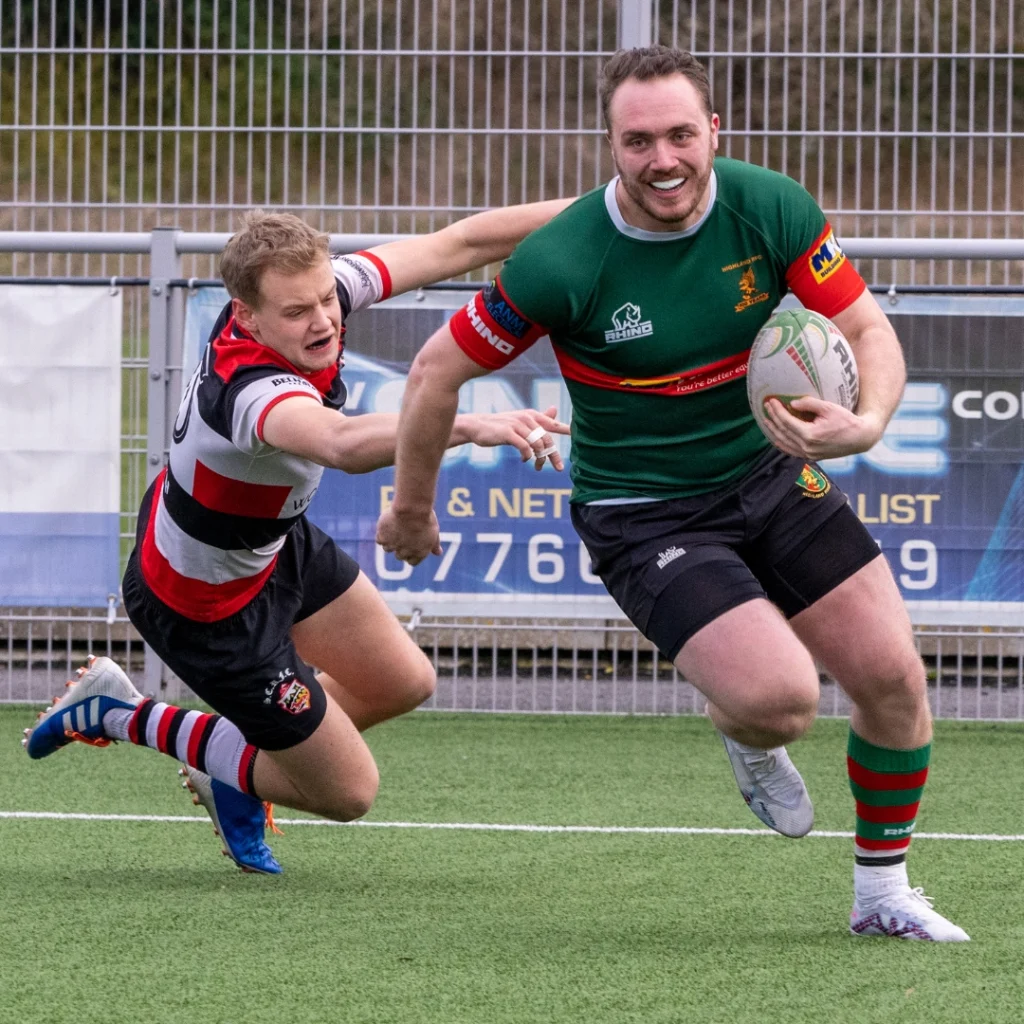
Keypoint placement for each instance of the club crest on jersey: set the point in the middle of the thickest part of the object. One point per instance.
(628, 324)
(293, 697)
(827, 258)
(813, 482)
(749, 291)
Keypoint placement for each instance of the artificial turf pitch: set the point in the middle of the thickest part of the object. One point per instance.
(145, 922)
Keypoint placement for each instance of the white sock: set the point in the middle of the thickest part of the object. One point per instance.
(874, 881)
(207, 742)
(115, 723)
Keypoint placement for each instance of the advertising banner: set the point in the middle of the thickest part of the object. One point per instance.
(60, 445)
(942, 493)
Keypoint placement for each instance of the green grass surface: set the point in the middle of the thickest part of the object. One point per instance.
(140, 922)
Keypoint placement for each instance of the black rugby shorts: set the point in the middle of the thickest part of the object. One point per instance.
(245, 666)
(784, 531)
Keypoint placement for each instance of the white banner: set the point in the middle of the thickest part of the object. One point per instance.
(60, 435)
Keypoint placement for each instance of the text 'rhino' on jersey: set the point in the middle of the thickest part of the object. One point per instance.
(226, 500)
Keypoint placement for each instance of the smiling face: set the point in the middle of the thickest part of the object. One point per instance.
(663, 143)
(298, 316)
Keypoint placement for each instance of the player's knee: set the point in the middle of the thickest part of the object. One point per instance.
(900, 683)
(423, 684)
(789, 724)
(418, 685)
(353, 799)
(787, 712)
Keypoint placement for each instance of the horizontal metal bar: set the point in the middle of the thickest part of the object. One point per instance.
(934, 248)
(336, 52)
(214, 242)
(81, 282)
(75, 241)
(901, 134)
(947, 289)
(880, 212)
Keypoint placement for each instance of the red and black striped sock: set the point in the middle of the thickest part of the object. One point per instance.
(887, 786)
(209, 743)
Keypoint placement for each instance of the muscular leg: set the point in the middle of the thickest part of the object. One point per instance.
(372, 671)
(872, 656)
(761, 684)
(369, 664)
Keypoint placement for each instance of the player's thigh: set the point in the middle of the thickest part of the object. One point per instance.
(357, 640)
(332, 770)
(861, 633)
(748, 662)
(820, 565)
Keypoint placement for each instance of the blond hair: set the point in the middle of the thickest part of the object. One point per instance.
(269, 241)
(647, 62)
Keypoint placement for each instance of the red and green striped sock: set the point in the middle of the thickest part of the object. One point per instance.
(887, 786)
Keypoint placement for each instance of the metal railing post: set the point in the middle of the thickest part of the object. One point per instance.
(636, 23)
(164, 265)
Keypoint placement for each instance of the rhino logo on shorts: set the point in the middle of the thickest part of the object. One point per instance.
(294, 698)
(628, 324)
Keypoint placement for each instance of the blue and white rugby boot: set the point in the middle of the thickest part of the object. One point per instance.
(772, 787)
(238, 819)
(78, 713)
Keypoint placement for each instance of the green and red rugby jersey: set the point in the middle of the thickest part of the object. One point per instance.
(652, 329)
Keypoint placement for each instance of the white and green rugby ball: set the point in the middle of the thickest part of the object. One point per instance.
(798, 353)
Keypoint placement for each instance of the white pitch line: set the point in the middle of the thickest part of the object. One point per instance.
(462, 826)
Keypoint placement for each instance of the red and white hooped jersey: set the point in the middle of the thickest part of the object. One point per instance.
(223, 506)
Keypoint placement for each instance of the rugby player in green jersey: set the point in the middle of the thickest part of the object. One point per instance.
(739, 559)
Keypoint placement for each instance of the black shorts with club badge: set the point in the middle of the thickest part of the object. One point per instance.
(245, 666)
(784, 531)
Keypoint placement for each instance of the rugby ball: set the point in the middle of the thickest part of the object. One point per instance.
(796, 353)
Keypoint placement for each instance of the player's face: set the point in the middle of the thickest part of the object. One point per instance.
(663, 144)
(299, 316)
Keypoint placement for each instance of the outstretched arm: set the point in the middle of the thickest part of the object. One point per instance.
(472, 242)
(361, 444)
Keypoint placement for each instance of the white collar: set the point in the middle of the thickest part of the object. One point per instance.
(612, 206)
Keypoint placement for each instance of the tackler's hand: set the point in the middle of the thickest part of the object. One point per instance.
(528, 430)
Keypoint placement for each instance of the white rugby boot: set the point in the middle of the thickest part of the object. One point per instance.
(77, 714)
(772, 787)
(903, 913)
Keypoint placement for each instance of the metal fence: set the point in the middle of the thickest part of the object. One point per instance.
(905, 119)
(483, 663)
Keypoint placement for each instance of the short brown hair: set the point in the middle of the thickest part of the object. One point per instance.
(647, 62)
(269, 241)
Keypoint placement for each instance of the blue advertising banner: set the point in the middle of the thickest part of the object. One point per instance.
(942, 493)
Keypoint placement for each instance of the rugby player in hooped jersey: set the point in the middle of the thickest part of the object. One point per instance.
(231, 585)
(740, 560)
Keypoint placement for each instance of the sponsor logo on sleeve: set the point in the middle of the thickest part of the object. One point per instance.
(827, 258)
(496, 340)
(501, 312)
(628, 323)
(291, 382)
(358, 266)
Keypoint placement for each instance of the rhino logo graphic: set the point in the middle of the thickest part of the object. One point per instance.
(628, 324)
